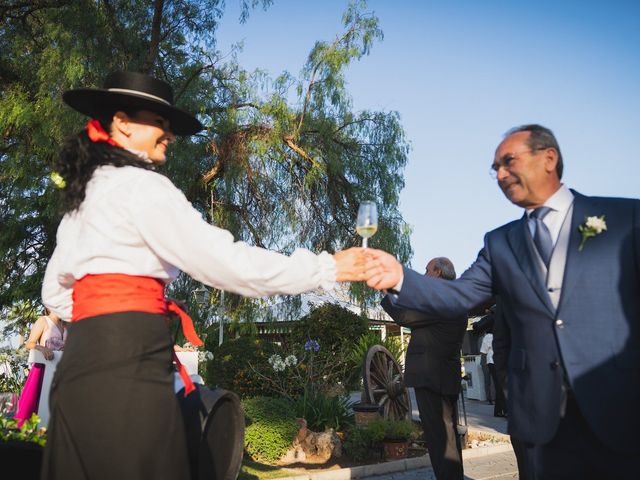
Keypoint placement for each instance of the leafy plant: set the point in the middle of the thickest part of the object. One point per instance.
(368, 340)
(359, 350)
(14, 366)
(387, 429)
(270, 428)
(322, 411)
(360, 444)
(334, 329)
(364, 442)
(28, 432)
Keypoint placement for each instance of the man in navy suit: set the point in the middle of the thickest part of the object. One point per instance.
(568, 276)
(432, 367)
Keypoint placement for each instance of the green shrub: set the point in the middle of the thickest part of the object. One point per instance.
(335, 329)
(383, 428)
(360, 444)
(234, 364)
(270, 428)
(333, 326)
(365, 442)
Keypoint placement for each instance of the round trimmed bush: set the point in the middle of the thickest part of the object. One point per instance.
(270, 429)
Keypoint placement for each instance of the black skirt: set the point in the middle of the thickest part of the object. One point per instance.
(114, 414)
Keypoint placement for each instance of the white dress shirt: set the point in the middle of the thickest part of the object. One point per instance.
(136, 222)
(487, 346)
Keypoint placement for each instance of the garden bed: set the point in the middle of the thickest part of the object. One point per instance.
(258, 471)
(476, 440)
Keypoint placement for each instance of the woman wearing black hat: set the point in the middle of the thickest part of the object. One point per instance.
(126, 233)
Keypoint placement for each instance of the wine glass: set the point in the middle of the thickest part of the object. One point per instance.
(367, 223)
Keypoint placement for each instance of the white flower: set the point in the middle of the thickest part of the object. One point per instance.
(290, 361)
(209, 356)
(279, 365)
(597, 224)
(274, 358)
(591, 227)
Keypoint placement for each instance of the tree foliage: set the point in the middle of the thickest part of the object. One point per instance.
(283, 162)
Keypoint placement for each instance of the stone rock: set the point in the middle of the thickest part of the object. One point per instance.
(313, 447)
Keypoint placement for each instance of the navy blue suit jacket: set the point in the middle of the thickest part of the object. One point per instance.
(593, 336)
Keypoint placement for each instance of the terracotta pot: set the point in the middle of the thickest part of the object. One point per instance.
(395, 450)
(364, 413)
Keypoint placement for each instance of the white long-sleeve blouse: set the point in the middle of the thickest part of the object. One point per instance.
(136, 222)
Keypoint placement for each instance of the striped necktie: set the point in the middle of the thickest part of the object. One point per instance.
(542, 237)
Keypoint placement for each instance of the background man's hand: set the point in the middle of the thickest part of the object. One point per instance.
(383, 271)
(350, 265)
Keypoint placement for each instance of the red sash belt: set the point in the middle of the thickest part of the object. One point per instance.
(113, 292)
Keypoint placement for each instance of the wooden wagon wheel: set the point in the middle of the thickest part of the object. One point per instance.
(384, 384)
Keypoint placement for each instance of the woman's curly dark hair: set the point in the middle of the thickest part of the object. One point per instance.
(78, 160)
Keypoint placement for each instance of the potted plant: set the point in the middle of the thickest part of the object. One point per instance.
(22, 445)
(394, 436)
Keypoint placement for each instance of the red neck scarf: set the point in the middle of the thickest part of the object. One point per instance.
(98, 134)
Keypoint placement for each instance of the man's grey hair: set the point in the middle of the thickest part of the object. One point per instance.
(540, 138)
(445, 267)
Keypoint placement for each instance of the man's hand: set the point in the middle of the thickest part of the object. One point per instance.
(350, 265)
(383, 271)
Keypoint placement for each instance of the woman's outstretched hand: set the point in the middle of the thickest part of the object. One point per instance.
(350, 265)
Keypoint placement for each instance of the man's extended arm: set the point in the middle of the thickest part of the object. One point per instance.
(433, 296)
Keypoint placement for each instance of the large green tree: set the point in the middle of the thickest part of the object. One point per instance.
(283, 162)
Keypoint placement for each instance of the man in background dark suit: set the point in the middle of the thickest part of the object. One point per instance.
(432, 367)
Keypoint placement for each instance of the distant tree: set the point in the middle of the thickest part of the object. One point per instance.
(282, 164)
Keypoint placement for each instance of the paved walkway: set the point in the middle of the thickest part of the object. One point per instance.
(499, 466)
(477, 466)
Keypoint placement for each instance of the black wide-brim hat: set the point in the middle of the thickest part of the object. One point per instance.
(131, 90)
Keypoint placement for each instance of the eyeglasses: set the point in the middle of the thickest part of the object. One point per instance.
(507, 160)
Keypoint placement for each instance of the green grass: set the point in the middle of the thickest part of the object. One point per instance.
(259, 471)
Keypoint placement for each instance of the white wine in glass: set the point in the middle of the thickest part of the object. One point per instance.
(367, 223)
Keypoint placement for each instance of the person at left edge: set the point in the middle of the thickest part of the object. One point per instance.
(433, 369)
(126, 233)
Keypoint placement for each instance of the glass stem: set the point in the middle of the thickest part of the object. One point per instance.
(364, 243)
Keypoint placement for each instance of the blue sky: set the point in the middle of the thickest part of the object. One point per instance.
(461, 73)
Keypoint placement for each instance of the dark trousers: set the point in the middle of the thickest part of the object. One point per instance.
(500, 406)
(524, 457)
(486, 376)
(576, 453)
(439, 416)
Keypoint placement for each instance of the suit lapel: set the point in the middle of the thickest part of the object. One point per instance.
(518, 238)
(573, 267)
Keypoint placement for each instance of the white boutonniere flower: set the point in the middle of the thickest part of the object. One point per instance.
(591, 227)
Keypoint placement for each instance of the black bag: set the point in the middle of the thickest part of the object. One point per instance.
(214, 425)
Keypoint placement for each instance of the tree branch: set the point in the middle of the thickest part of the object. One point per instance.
(315, 71)
(288, 139)
(154, 42)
